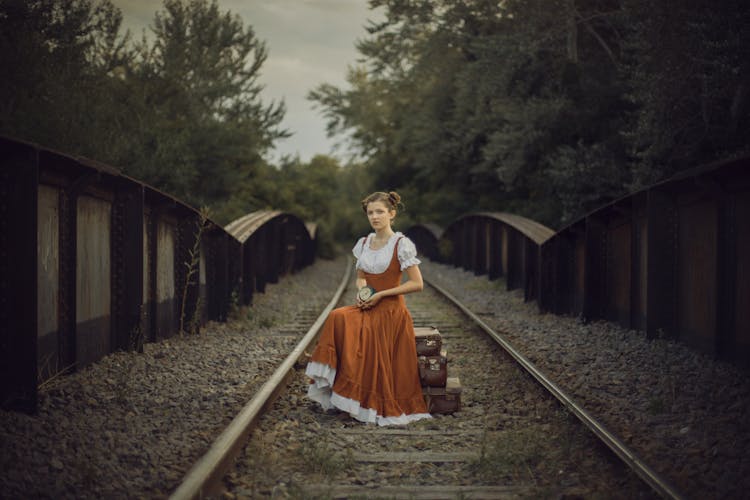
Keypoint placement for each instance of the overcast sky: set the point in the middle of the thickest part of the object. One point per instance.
(309, 42)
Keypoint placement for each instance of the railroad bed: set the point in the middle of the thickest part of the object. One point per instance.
(133, 424)
(511, 439)
(685, 414)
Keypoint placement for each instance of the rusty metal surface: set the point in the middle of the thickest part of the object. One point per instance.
(738, 341)
(515, 265)
(494, 264)
(660, 263)
(497, 244)
(148, 299)
(640, 304)
(425, 238)
(672, 259)
(93, 279)
(539, 233)
(146, 262)
(48, 278)
(128, 255)
(165, 248)
(19, 178)
(504, 249)
(243, 227)
(312, 229)
(105, 254)
(619, 279)
(697, 260)
(273, 243)
(217, 276)
(166, 296)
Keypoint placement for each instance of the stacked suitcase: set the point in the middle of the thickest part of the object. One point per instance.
(441, 392)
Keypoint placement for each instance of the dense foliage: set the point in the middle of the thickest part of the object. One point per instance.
(547, 108)
(544, 107)
(181, 111)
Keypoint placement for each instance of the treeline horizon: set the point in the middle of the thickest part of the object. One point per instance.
(545, 108)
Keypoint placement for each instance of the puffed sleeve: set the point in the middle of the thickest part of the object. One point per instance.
(357, 250)
(407, 253)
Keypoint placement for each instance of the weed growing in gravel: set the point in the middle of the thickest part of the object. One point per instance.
(135, 336)
(48, 372)
(261, 318)
(571, 432)
(123, 386)
(267, 322)
(234, 304)
(483, 285)
(192, 277)
(260, 457)
(299, 492)
(665, 393)
(512, 454)
(319, 458)
(656, 406)
(253, 318)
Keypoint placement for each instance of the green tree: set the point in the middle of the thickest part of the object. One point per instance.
(183, 113)
(473, 105)
(57, 58)
(211, 128)
(688, 69)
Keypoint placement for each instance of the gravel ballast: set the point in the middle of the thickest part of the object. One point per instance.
(510, 438)
(132, 424)
(685, 414)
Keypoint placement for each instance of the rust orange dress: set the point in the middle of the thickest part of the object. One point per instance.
(365, 362)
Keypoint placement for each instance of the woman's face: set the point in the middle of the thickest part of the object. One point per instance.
(379, 215)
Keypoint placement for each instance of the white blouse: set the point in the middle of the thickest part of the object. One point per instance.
(377, 261)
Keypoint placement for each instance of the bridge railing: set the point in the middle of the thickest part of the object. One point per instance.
(273, 243)
(426, 238)
(93, 261)
(672, 260)
(497, 244)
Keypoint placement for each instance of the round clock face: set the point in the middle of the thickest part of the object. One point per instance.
(365, 293)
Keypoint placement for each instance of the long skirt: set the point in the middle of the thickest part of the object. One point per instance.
(365, 364)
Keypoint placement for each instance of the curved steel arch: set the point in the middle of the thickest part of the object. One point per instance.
(426, 237)
(95, 261)
(535, 231)
(498, 244)
(671, 259)
(273, 243)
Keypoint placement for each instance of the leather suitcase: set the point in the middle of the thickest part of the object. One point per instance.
(433, 370)
(444, 400)
(428, 341)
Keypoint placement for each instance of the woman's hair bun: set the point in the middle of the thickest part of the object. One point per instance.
(391, 199)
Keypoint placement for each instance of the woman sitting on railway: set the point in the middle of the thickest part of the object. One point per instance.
(365, 362)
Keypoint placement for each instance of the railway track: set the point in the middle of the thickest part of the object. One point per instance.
(512, 438)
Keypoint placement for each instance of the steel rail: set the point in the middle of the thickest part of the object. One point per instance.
(646, 473)
(204, 477)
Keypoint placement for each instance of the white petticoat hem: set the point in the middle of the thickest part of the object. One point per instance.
(320, 391)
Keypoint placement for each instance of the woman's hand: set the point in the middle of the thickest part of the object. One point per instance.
(360, 282)
(369, 303)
